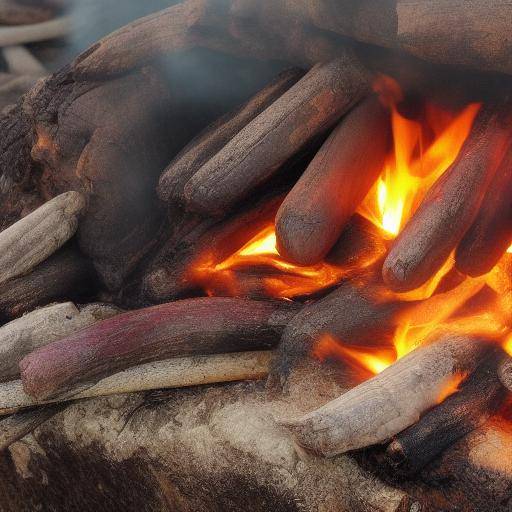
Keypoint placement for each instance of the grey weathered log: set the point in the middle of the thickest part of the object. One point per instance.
(18, 425)
(320, 205)
(188, 327)
(505, 373)
(42, 326)
(491, 233)
(37, 236)
(479, 397)
(451, 205)
(257, 152)
(21, 61)
(44, 31)
(65, 275)
(26, 12)
(391, 401)
(179, 372)
(216, 136)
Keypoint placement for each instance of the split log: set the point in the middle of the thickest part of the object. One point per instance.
(307, 110)
(18, 425)
(379, 408)
(66, 275)
(320, 205)
(42, 326)
(491, 233)
(188, 327)
(479, 397)
(450, 206)
(206, 145)
(38, 235)
(171, 373)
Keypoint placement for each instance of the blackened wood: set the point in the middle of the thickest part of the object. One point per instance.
(491, 233)
(320, 205)
(66, 275)
(505, 373)
(479, 397)
(256, 153)
(188, 327)
(18, 425)
(451, 205)
(216, 136)
(391, 401)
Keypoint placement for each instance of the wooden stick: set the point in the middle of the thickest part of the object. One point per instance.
(42, 326)
(170, 373)
(319, 206)
(480, 396)
(65, 275)
(23, 34)
(216, 136)
(491, 233)
(450, 206)
(32, 239)
(308, 109)
(187, 327)
(19, 425)
(389, 402)
(22, 62)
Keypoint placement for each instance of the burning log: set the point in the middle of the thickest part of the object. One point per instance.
(31, 240)
(206, 145)
(305, 111)
(187, 327)
(177, 268)
(480, 396)
(491, 233)
(19, 425)
(171, 373)
(505, 373)
(388, 403)
(450, 206)
(42, 326)
(319, 206)
(65, 275)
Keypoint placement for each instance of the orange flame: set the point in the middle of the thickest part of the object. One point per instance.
(451, 386)
(507, 345)
(284, 280)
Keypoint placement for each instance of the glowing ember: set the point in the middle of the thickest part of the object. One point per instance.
(507, 345)
(281, 279)
(451, 386)
(509, 250)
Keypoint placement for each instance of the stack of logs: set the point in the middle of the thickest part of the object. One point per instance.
(82, 223)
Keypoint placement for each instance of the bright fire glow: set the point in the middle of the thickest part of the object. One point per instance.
(281, 279)
(413, 166)
(451, 386)
(509, 250)
(507, 345)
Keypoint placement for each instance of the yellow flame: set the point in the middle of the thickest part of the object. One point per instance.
(507, 345)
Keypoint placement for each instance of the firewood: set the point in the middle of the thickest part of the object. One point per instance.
(388, 403)
(171, 373)
(25, 12)
(19, 425)
(65, 275)
(37, 236)
(42, 326)
(319, 206)
(171, 274)
(21, 61)
(491, 233)
(23, 34)
(479, 397)
(257, 152)
(358, 312)
(216, 136)
(450, 206)
(187, 327)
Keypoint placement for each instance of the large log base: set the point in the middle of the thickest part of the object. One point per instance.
(210, 449)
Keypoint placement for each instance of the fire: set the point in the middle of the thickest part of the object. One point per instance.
(451, 386)
(413, 166)
(281, 279)
(507, 345)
